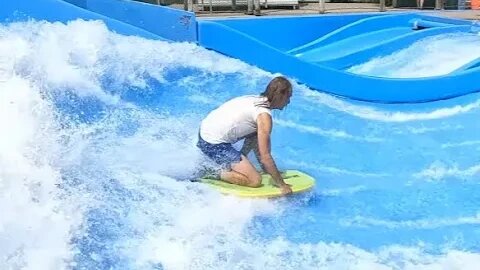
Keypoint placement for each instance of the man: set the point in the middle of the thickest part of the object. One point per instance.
(249, 118)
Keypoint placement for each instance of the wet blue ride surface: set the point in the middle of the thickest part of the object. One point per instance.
(380, 183)
(396, 184)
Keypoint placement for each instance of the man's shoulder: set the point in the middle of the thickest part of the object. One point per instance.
(248, 97)
(244, 99)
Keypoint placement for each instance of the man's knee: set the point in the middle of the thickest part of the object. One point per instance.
(255, 181)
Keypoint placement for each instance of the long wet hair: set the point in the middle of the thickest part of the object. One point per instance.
(278, 88)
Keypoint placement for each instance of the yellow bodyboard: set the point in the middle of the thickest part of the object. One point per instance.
(298, 181)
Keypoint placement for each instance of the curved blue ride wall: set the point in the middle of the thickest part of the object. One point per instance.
(272, 44)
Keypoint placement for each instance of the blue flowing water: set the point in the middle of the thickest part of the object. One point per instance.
(98, 130)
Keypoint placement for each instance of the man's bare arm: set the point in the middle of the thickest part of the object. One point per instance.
(264, 129)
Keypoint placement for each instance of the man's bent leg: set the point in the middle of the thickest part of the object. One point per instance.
(234, 177)
(243, 173)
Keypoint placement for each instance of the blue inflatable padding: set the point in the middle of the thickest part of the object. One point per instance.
(287, 32)
(372, 23)
(60, 11)
(170, 23)
(348, 46)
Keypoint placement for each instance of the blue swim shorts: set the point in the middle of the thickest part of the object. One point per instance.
(223, 153)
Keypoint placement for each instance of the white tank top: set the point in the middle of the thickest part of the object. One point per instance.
(233, 120)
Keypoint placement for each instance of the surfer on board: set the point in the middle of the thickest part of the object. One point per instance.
(245, 118)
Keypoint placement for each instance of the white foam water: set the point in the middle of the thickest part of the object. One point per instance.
(431, 56)
(396, 116)
(37, 220)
